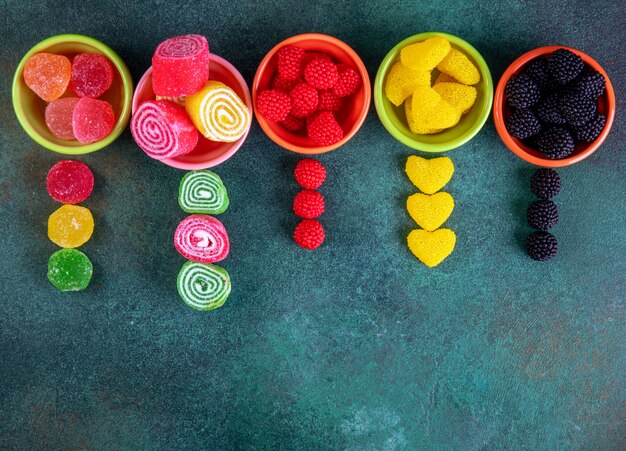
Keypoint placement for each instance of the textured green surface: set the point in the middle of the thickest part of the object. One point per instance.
(356, 345)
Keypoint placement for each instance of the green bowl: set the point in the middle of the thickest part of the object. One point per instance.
(394, 119)
(30, 109)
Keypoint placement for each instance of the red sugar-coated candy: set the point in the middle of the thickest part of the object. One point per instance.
(92, 120)
(92, 75)
(69, 181)
(163, 129)
(47, 75)
(180, 66)
(201, 238)
(59, 117)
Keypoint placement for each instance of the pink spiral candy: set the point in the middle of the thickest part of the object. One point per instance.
(201, 238)
(180, 66)
(163, 129)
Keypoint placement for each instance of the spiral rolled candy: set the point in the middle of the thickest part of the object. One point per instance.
(163, 130)
(203, 286)
(202, 239)
(202, 192)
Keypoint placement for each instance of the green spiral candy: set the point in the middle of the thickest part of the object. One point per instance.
(202, 192)
(203, 286)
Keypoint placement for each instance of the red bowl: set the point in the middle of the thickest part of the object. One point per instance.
(206, 154)
(606, 106)
(355, 107)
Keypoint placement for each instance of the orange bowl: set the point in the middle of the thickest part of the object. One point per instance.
(606, 106)
(207, 153)
(353, 112)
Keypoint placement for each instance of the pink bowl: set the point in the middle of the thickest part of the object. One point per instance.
(207, 154)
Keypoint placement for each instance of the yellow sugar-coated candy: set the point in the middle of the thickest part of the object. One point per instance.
(445, 78)
(431, 248)
(218, 113)
(408, 109)
(402, 81)
(430, 111)
(70, 226)
(429, 175)
(430, 212)
(458, 65)
(460, 96)
(425, 55)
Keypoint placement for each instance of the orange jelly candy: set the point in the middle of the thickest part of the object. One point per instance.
(48, 75)
(70, 226)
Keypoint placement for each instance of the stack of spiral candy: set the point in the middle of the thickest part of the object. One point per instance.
(71, 226)
(187, 102)
(203, 240)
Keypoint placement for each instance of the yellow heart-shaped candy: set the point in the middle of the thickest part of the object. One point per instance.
(431, 248)
(429, 176)
(429, 212)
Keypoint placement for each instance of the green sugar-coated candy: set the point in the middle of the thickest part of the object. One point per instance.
(69, 270)
(203, 286)
(202, 192)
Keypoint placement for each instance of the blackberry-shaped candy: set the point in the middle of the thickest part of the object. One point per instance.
(548, 110)
(541, 246)
(523, 124)
(590, 84)
(545, 183)
(538, 71)
(577, 109)
(555, 143)
(542, 214)
(564, 66)
(591, 130)
(522, 92)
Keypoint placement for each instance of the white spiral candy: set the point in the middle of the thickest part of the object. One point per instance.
(203, 286)
(202, 192)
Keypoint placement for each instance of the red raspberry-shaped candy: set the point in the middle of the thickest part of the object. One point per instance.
(324, 130)
(304, 100)
(273, 105)
(309, 234)
(283, 85)
(329, 101)
(308, 204)
(321, 73)
(292, 123)
(349, 81)
(309, 173)
(290, 62)
(310, 56)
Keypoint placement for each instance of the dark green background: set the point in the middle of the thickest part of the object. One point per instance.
(356, 345)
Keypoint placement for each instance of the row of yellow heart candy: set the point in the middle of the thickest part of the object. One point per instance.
(431, 245)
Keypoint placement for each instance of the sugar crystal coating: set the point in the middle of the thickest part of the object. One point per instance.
(218, 112)
(458, 65)
(69, 270)
(425, 55)
(162, 129)
(401, 82)
(92, 75)
(69, 182)
(58, 117)
(202, 239)
(92, 120)
(180, 66)
(70, 226)
(202, 192)
(203, 286)
(47, 75)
